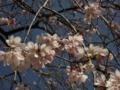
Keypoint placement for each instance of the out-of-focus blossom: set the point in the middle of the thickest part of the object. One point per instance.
(80, 53)
(110, 57)
(13, 41)
(12, 22)
(70, 49)
(115, 26)
(4, 20)
(49, 40)
(21, 87)
(103, 52)
(115, 77)
(93, 11)
(52, 19)
(5, 57)
(25, 12)
(44, 50)
(76, 75)
(15, 57)
(92, 50)
(100, 81)
(32, 48)
(89, 67)
(91, 30)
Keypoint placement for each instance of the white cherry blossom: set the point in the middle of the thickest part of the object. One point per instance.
(92, 50)
(100, 81)
(13, 41)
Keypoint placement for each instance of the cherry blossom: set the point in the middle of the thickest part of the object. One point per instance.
(91, 30)
(52, 19)
(89, 67)
(76, 75)
(115, 77)
(44, 50)
(74, 40)
(92, 50)
(110, 57)
(13, 41)
(12, 22)
(21, 87)
(49, 40)
(103, 52)
(15, 57)
(115, 26)
(32, 48)
(93, 11)
(5, 57)
(100, 81)
(4, 20)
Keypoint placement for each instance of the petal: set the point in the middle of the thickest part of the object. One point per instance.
(11, 38)
(117, 72)
(17, 39)
(30, 44)
(8, 42)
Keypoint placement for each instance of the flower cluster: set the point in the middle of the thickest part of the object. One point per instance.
(92, 11)
(113, 83)
(72, 43)
(75, 73)
(20, 55)
(94, 52)
(8, 22)
(49, 40)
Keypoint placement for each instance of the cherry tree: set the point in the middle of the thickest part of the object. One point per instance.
(59, 44)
